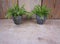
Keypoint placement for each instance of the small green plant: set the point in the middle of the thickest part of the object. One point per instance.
(40, 10)
(29, 15)
(16, 11)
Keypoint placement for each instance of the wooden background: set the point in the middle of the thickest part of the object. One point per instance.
(54, 5)
(4, 5)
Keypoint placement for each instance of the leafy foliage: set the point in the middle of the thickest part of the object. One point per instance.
(29, 15)
(16, 11)
(40, 10)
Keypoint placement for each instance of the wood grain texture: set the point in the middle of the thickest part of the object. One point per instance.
(0, 9)
(4, 5)
(54, 5)
(57, 9)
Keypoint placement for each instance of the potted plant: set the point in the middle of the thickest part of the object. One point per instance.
(16, 13)
(41, 13)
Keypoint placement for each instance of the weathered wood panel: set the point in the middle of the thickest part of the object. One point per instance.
(4, 5)
(29, 4)
(54, 5)
(57, 9)
(12, 3)
(0, 9)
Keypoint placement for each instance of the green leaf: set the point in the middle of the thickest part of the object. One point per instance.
(16, 11)
(41, 10)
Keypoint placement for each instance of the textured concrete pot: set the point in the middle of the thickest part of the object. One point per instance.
(39, 20)
(17, 20)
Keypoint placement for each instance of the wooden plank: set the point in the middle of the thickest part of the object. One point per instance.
(54, 5)
(14, 2)
(4, 5)
(0, 8)
(57, 10)
(49, 4)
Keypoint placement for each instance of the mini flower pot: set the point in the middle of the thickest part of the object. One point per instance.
(17, 20)
(40, 20)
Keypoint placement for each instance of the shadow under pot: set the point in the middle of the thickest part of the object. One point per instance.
(41, 20)
(17, 20)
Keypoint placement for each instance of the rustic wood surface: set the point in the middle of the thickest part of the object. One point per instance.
(54, 5)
